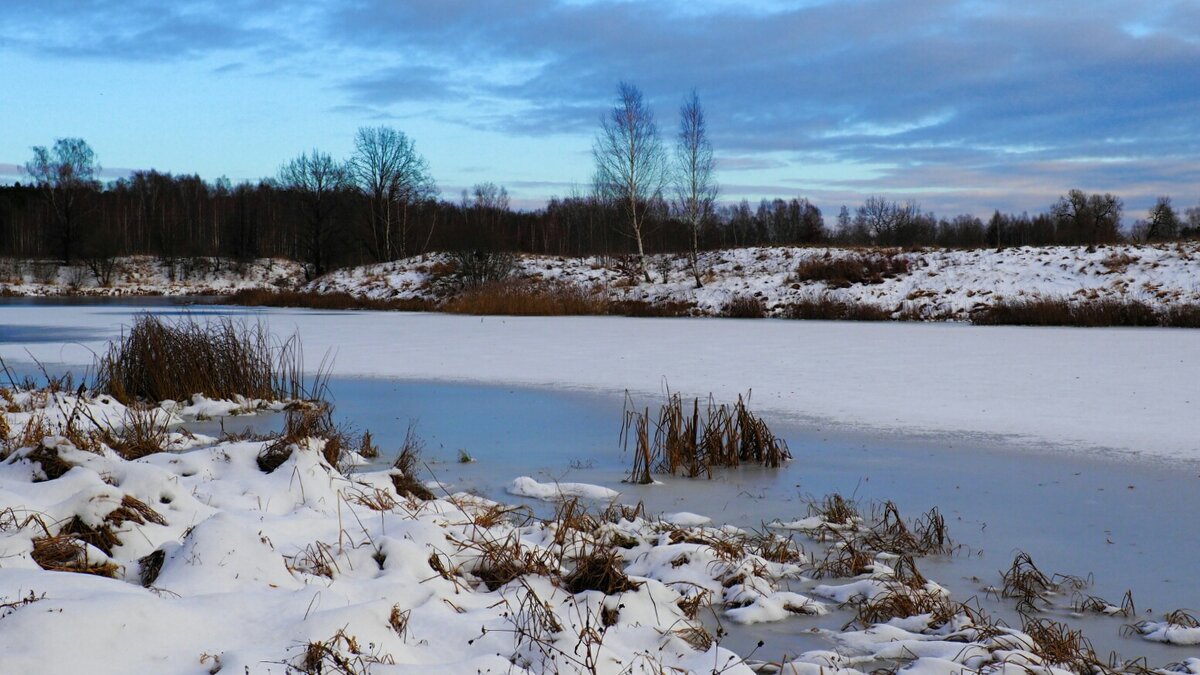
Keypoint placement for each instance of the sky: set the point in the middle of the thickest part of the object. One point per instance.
(963, 106)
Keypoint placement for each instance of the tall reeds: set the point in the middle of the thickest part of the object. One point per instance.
(689, 442)
(160, 359)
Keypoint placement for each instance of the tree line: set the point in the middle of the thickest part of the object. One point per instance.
(647, 195)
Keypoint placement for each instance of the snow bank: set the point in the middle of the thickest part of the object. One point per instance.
(528, 487)
(937, 284)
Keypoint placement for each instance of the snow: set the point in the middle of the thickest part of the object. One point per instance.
(145, 275)
(525, 486)
(939, 284)
(230, 569)
(1128, 391)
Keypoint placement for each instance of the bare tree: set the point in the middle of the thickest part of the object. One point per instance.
(388, 168)
(630, 162)
(695, 190)
(66, 174)
(1096, 217)
(320, 181)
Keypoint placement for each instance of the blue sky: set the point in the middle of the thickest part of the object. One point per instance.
(962, 105)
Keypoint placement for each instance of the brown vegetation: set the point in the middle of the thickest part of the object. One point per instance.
(520, 298)
(690, 443)
(160, 359)
(826, 308)
(848, 270)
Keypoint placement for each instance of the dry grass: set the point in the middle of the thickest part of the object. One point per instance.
(1061, 312)
(304, 422)
(261, 297)
(690, 442)
(143, 432)
(404, 478)
(744, 307)
(601, 570)
(66, 553)
(151, 566)
(856, 268)
(1026, 583)
(826, 308)
(645, 309)
(160, 359)
(902, 601)
(521, 298)
(1060, 645)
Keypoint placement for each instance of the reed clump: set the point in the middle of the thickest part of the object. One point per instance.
(744, 307)
(845, 271)
(158, 359)
(523, 298)
(404, 474)
(600, 570)
(691, 441)
(305, 422)
(1090, 313)
(826, 308)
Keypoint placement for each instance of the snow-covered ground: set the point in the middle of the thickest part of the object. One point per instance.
(1129, 390)
(144, 275)
(202, 561)
(938, 284)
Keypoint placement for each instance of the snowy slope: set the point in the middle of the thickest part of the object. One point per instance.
(144, 275)
(939, 284)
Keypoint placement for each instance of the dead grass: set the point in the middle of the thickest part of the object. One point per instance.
(1026, 583)
(826, 308)
(160, 359)
(262, 297)
(744, 307)
(143, 432)
(901, 601)
(305, 422)
(1060, 645)
(1091, 313)
(689, 442)
(646, 309)
(848, 270)
(522, 298)
(601, 570)
(404, 476)
(66, 553)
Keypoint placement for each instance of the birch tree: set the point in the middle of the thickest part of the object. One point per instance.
(631, 166)
(66, 174)
(695, 190)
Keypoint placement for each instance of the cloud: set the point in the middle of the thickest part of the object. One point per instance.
(954, 96)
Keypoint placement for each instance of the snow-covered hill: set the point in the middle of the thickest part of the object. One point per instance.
(937, 284)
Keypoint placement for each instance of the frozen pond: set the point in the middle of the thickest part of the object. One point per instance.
(1129, 523)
